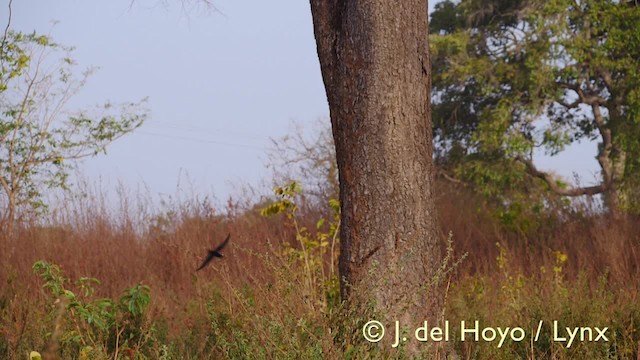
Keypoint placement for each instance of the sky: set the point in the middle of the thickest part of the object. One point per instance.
(220, 84)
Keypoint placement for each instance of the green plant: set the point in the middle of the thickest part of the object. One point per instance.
(88, 325)
(39, 137)
(544, 299)
(313, 246)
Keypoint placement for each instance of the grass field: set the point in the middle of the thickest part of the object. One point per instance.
(271, 298)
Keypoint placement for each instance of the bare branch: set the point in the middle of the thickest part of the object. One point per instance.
(553, 183)
(605, 74)
(6, 30)
(586, 98)
(572, 105)
(450, 178)
(604, 156)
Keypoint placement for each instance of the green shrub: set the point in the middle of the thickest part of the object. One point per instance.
(86, 326)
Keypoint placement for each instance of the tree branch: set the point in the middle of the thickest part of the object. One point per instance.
(572, 105)
(6, 32)
(605, 74)
(604, 156)
(589, 99)
(450, 178)
(553, 184)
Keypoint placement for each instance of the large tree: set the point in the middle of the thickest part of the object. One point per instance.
(374, 59)
(519, 75)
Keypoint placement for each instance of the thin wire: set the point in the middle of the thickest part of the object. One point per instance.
(197, 129)
(185, 138)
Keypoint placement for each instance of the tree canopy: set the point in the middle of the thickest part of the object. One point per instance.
(511, 77)
(39, 137)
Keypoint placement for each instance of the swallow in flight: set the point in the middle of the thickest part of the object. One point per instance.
(214, 253)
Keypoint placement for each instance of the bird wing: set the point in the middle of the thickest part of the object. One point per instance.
(224, 243)
(214, 253)
(206, 260)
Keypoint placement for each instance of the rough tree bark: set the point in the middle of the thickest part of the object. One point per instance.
(374, 59)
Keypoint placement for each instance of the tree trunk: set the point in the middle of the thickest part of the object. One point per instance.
(374, 59)
(10, 219)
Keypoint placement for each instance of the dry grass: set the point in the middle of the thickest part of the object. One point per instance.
(206, 314)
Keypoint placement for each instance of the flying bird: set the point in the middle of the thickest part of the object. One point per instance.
(214, 253)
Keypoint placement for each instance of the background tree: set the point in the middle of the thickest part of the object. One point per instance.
(515, 76)
(38, 138)
(374, 59)
(310, 158)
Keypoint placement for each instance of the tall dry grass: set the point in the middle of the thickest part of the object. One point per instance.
(201, 314)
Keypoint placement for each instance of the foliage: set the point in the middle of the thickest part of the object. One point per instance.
(512, 78)
(291, 315)
(511, 299)
(39, 138)
(313, 247)
(94, 326)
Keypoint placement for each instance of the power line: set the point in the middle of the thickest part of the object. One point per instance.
(191, 128)
(185, 138)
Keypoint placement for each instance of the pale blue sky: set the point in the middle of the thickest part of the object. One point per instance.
(219, 84)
